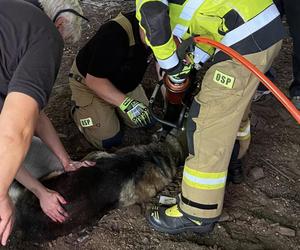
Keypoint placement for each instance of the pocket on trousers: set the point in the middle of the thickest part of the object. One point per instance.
(83, 99)
(226, 78)
(84, 115)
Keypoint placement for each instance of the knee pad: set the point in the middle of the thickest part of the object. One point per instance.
(113, 141)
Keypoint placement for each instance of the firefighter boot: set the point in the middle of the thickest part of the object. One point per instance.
(235, 172)
(235, 169)
(295, 93)
(172, 221)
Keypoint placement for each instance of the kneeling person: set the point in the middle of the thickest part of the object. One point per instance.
(105, 82)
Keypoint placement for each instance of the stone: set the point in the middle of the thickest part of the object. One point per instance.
(145, 241)
(82, 238)
(157, 241)
(224, 217)
(286, 231)
(275, 225)
(257, 173)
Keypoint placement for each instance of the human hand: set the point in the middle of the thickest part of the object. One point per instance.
(136, 111)
(50, 202)
(7, 218)
(74, 165)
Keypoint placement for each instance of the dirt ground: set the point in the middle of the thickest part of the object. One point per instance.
(261, 213)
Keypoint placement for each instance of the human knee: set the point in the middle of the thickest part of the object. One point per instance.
(112, 141)
(103, 139)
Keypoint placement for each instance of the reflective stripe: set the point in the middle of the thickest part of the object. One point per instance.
(168, 63)
(204, 174)
(203, 180)
(190, 8)
(138, 4)
(197, 185)
(179, 30)
(187, 14)
(200, 55)
(245, 132)
(165, 2)
(251, 26)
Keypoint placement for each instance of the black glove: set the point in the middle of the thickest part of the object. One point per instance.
(180, 72)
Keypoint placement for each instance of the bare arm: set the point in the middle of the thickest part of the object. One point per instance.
(49, 200)
(17, 124)
(47, 133)
(105, 90)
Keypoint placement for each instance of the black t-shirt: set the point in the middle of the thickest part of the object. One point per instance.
(30, 51)
(108, 55)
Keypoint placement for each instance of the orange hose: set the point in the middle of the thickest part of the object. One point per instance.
(265, 80)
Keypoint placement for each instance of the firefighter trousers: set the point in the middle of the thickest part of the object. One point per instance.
(217, 114)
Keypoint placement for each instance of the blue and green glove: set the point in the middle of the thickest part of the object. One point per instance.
(136, 111)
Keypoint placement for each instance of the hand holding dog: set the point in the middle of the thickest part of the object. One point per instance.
(6, 218)
(75, 165)
(51, 202)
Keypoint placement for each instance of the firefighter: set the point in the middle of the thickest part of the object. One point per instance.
(105, 82)
(219, 112)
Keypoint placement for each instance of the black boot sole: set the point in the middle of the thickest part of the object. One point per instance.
(196, 229)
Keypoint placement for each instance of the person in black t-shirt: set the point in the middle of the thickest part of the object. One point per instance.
(105, 82)
(31, 46)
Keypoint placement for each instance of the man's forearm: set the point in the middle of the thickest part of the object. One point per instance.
(16, 130)
(28, 181)
(11, 154)
(105, 90)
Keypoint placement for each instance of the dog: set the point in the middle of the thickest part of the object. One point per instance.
(131, 175)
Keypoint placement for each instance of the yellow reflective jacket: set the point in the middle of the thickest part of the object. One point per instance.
(247, 26)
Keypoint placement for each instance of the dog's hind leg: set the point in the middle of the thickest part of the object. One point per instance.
(40, 160)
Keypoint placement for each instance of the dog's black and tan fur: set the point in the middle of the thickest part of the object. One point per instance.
(131, 175)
